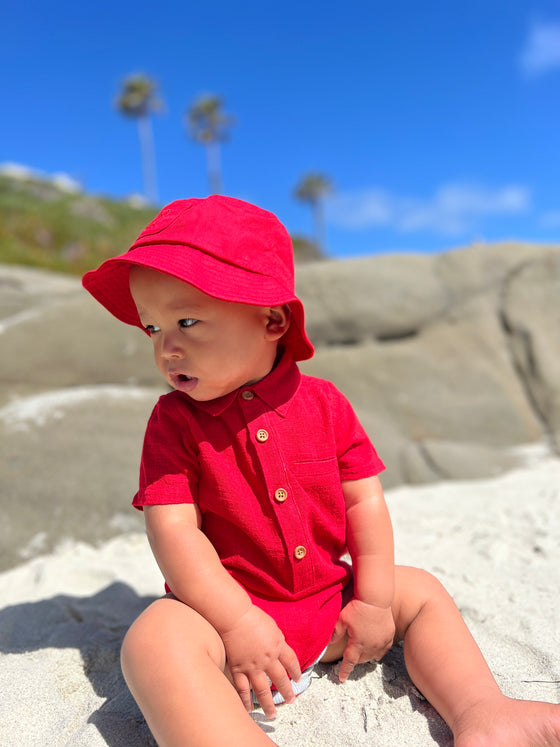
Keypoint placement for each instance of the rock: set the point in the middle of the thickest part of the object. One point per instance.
(484, 267)
(26, 290)
(69, 467)
(454, 383)
(66, 340)
(393, 296)
(431, 460)
(379, 298)
(452, 362)
(532, 315)
(430, 350)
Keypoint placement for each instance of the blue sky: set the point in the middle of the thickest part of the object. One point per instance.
(438, 122)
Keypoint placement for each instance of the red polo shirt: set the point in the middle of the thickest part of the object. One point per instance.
(265, 464)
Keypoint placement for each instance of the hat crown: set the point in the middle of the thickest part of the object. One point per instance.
(225, 247)
(230, 230)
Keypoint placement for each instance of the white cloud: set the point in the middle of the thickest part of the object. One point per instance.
(453, 209)
(361, 209)
(62, 181)
(542, 49)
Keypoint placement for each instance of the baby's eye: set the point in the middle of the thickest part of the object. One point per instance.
(151, 328)
(187, 322)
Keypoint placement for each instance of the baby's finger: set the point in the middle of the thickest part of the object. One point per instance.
(282, 682)
(241, 684)
(381, 651)
(350, 658)
(290, 662)
(262, 692)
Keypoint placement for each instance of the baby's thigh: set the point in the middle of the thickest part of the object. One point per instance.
(171, 631)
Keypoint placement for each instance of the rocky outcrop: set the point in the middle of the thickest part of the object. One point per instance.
(76, 389)
(452, 362)
(531, 316)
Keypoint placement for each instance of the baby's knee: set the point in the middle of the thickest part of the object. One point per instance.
(425, 584)
(170, 630)
(148, 639)
(415, 590)
(135, 645)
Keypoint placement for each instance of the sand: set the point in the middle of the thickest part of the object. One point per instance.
(493, 543)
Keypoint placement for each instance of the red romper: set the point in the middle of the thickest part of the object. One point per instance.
(265, 464)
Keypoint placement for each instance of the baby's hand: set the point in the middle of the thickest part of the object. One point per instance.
(371, 631)
(256, 649)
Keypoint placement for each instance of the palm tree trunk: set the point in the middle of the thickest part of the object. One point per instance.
(214, 167)
(320, 226)
(146, 136)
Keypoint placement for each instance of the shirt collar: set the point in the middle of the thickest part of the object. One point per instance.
(276, 390)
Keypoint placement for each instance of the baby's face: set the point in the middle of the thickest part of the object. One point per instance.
(203, 346)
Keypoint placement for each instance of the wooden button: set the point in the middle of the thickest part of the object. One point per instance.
(280, 495)
(262, 435)
(247, 395)
(300, 552)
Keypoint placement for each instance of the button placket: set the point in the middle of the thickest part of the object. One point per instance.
(299, 556)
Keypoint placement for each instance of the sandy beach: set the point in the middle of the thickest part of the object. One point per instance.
(494, 543)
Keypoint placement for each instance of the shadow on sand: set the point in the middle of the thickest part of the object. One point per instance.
(96, 625)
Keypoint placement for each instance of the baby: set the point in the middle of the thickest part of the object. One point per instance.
(255, 480)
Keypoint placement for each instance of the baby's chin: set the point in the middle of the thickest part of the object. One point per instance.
(201, 392)
(191, 385)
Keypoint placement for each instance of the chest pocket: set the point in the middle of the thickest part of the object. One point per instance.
(315, 468)
(320, 479)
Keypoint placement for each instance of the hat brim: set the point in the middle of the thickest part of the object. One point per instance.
(109, 285)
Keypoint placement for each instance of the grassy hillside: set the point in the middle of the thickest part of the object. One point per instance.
(45, 225)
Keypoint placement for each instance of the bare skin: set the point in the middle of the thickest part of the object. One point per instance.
(191, 660)
(183, 708)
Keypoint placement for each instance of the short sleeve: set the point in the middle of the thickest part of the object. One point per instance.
(357, 457)
(169, 468)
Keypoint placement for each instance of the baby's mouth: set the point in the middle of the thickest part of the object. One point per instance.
(183, 382)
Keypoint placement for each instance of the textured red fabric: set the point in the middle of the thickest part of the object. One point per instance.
(232, 455)
(227, 248)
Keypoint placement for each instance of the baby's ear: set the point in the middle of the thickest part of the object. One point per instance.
(279, 318)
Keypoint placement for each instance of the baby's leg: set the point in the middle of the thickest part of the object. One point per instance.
(447, 666)
(173, 662)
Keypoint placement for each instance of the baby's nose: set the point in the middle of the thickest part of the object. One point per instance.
(171, 348)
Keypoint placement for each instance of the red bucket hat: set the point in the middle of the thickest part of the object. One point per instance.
(227, 248)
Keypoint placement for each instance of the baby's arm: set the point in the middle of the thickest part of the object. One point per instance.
(367, 619)
(255, 646)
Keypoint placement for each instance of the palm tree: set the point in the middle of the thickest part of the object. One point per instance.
(208, 125)
(312, 189)
(139, 99)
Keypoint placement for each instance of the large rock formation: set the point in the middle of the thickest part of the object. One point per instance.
(452, 362)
